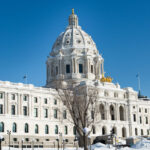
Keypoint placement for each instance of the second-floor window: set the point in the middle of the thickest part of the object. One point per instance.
(35, 100)
(45, 113)
(1, 109)
(25, 110)
(134, 117)
(25, 98)
(13, 96)
(1, 95)
(45, 100)
(35, 112)
(55, 113)
(13, 109)
(65, 114)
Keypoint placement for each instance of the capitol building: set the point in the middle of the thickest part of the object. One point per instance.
(32, 113)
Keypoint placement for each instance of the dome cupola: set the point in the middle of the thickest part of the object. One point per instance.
(74, 56)
(73, 19)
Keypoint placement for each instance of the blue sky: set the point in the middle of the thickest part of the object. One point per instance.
(120, 29)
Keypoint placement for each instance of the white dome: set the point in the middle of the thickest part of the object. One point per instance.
(73, 38)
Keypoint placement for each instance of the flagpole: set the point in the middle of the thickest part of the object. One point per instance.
(139, 85)
(25, 79)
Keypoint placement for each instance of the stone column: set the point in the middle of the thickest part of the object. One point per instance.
(5, 103)
(21, 99)
(117, 112)
(60, 72)
(18, 103)
(87, 70)
(75, 65)
(72, 65)
(8, 104)
(107, 112)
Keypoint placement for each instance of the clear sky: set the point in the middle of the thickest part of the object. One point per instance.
(120, 29)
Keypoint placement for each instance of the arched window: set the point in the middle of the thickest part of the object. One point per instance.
(56, 129)
(65, 114)
(121, 112)
(36, 129)
(123, 132)
(26, 128)
(74, 130)
(102, 112)
(103, 130)
(112, 112)
(14, 127)
(46, 129)
(66, 130)
(1, 127)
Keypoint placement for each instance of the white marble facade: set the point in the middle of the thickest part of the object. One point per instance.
(35, 112)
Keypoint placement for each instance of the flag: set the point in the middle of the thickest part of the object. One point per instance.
(24, 77)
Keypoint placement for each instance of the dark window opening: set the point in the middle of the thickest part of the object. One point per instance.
(80, 68)
(91, 68)
(67, 68)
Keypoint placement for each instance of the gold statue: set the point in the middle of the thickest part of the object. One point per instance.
(105, 79)
(73, 11)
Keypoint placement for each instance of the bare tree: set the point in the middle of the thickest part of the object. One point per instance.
(82, 104)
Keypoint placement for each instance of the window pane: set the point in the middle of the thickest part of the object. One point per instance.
(80, 68)
(67, 68)
(1, 109)
(1, 95)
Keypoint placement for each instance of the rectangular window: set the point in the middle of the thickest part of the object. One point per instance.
(1, 95)
(134, 117)
(13, 109)
(65, 114)
(13, 96)
(67, 68)
(25, 98)
(25, 110)
(56, 70)
(91, 68)
(145, 110)
(1, 109)
(45, 100)
(55, 102)
(55, 113)
(35, 100)
(80, 68)
(45, 113)
(140, 120)
(35, 112)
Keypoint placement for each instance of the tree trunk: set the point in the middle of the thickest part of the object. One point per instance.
(83, 142)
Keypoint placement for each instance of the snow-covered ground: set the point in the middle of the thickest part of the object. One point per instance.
(144, 144)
